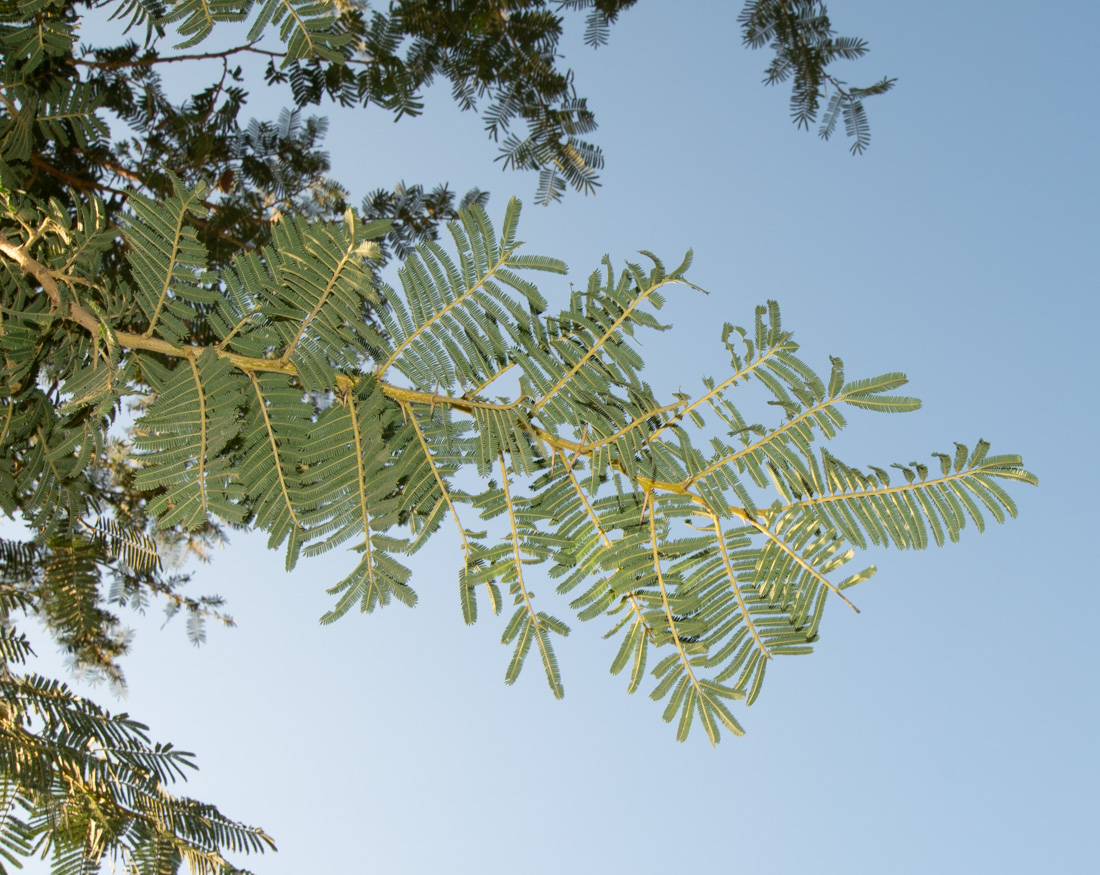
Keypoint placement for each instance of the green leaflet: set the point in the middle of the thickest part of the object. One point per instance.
(319, 304)
(135, 549)
(306, 28)
(375, 581)
(866, 507)
(349, 487)
(181, 438)
(39, 31)
(65, 113)
(197, 17)
(274, 430)
(168, 261)
(527, 628)
(455, 322)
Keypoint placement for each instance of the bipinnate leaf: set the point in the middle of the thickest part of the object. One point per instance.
(711, 531)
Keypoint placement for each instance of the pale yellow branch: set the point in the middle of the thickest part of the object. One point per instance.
(411, 417)
(737, 589)
(587, 449)
(635, 607)
(202, 442)
(274, 450)
(515, 544)
(664, 595)
(764, 530)
(684, 660)
(477, 390)
(466, 405)
(162, 297)
(768, 438)
(717, 390)
(308, 320)
(407, 342)
(349, 398)
(224, 343)
(75, 313)
(598, 345)
(519, 569)
(887, 490)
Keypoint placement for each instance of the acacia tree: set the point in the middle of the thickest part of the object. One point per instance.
(282, 386)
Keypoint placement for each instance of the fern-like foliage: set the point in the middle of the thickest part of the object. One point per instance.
(711, 538)
(805, 43)
(82, 787)
(35, 33)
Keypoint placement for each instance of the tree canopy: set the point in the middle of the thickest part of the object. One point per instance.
(212, 273)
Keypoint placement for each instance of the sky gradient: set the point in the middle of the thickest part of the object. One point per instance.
(950, 727)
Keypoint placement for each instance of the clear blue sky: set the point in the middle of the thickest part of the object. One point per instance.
(948, 728)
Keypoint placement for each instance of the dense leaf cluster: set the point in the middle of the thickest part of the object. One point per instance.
(501, 59)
